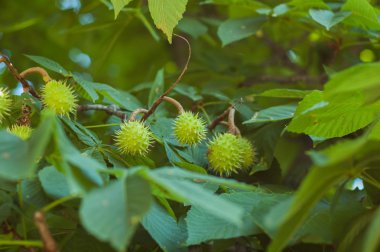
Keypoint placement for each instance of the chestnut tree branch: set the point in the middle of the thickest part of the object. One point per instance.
(14, 72)
(220, 118)
(47, 238)
(41, 71)
(110, 109)
(176, 103)
(170, 89)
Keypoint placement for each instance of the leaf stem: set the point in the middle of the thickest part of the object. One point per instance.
(57, 202)
(24, 243)
(170, 89)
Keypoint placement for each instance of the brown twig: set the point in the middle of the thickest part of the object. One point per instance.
(14, 72)
(47, 238)
(176, 103)
(110, 109)
(159, 99)
(231, 122)
(133, 115)
(319, 79)
(220, 118)
(41, 71)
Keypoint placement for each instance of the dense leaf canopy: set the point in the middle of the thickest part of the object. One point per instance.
(297, 79)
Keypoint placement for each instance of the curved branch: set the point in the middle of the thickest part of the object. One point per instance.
(13, 71)
(110, 109)
(231, 122)
(132, 117)
(170, 89)
(41, 71)
(49, 243)
(220, 118)
(176, 103)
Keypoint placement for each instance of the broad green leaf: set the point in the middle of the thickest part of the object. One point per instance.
(192, 26)
(49, 64)
(53, 182)
(338, 152)
(363, 13)
(120, 98)
(118, 5)
(169, 234)
(338, 116)
(112, 213)
(328, 18)
(87, 87)
(195, 194)
(188, 91)
(80, 170)
(372, 237)
(178, 173)
(32, 193)
(301, 4)
(375, 131)
(314, 186)
(236, 29)
(249, 4)
(203, 226)
(166, 14)
(273, 114)
(18, 158)
(284, 93)
(6, 204)
(82, 241)
(361, 77)
(157, 87)
(84, 135)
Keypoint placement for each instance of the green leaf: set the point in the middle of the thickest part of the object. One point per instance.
(112, 213)
(192, 26)
(314, 186)
(169, 234)
(157, 88)
(236, 29)
(166, 14)
(86, 86)
(203, 226)
(18, 158)
(6, 204)
(301, 4)
(53, 182)
(272, 114)
(120, 98)
(194, 194)
(180, 174)
(249, 4)
(84, 135)
(284, 93)
(363, 13)
(118, 5)
(372, 236)
(328, 18)
(363, 75)
(49, 64)
(338, 116)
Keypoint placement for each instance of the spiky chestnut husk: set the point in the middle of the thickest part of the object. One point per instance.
(5, 103)
(134, 138)
(224, 154)
(248, 152)
(59, 97)
(189, 128)
(22, 131)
